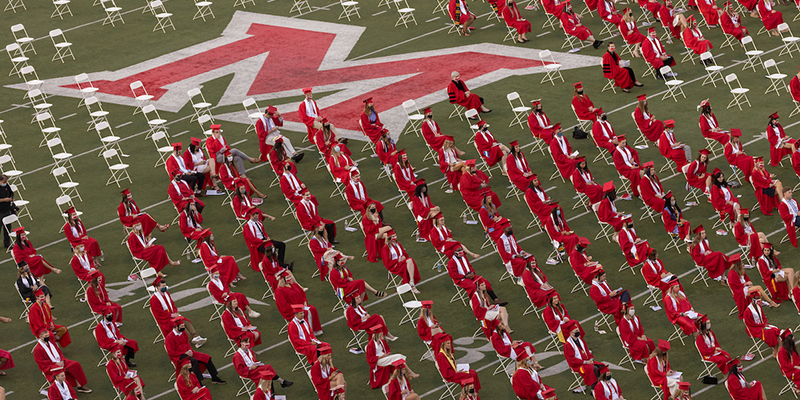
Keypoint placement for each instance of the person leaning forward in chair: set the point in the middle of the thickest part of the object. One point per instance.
(461, 16)
(267, 131)
(178, 348)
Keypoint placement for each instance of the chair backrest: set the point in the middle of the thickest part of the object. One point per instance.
(137, 85)
(27, 70)
(193, 92)
(769, 63)
(747, 40)
(8, 220)
(203, 119)
(730, 78)
(4, 159)
(410, 106)
(63, 200)
(158, 136)
(665, 70)
(12, 48)
(16, 28)
(55, 33)
(91, 100)
(706, 56)
(43, 116)
(148, 108)
(471, 113)
(109, 153)
(544, 54)
(784, 27)
(512, 96)
(80, 78)
(403, 289)
(59, 171)
(155, 4)
(102, 125)
(248, 102)
(54, 142)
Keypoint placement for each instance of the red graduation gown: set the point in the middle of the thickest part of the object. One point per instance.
(571, 22)
(373, 245)
(130, 214)
(715, 262)
(78, 233)
(456, 95)
(581, 105)
(694, 40)
(185, 390)
(447, 368)
(286, 296)
(612, 70)
(779, 291)
(788, 221)
(707, 346)
(254, 374)
(770, 17)
(378, 376)
(177, 344)
(116, 371)
(651, 127)
(762, 181)
(155, 255)
(28, 253)
(73, 369)
(565, 164)
(666, 150)
(673, 307)
(106, 342)
(390, 256)
(39, 316)
(630, 330)
(472, 193)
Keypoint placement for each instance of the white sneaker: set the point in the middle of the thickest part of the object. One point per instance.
(253, 314)
(318, 333)
(199, 341)
(197, 260)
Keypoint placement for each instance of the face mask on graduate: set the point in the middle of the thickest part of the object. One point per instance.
(631, 312)
(560, 134)
(216, 276)
(580, 91)
(3, 184)
(576, 334)
(510, 232)
(430, 116)
(181, 329)
(163, 289)
(230, 158)
(46, 339)
(604, 117)
(109, 318)
(337, 148)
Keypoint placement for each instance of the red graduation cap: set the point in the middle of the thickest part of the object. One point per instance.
(732, 362)
(279, 138)
(470, 163)
(481, 123)
(399, 364)
(177, 320)
(323, 120)
(578, 85)
(705, 151)
(391, 233)
(584, 241)
(598, 111)
(402, 154)
(651, 30)
(354, 172)
(649, 164)
(603, 369)
(774, 115)
(620, 138)
(56, 370)
(187, 360)
(641, 97)
(608, 186)
(716, 171)
(70, 211)
(753, 295)
(735, 258)
(758, 159)
(296, 308)
(374, 329)
(687, 385)
(175, 173)
(514, 143)
(116, 347)
(670, 123)
(271, 110)
(250, 212)
(368, 100)
(38, 292)
(522, 355)
(205, 232)
(177, 145)
(215, 127)
(663, 345)
(599, 272)
(126, 191)
(427, 304)
(690, 18)
(736, 132)
(704, 103)
(20, 230)
(467, 381)
(744, 211)
(570, 326)
(324, 349)
(196, 141)
(767, 245)
(536, 101)
(420, 182)
(307, 90)
(675, 283)
(428, 111)
(698, 229)
(784, 333)
(266, 374)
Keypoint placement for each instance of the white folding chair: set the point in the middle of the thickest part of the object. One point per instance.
(68, 187)
(415, 117)
(753, 55)
(62, 46)
(520, 111)
(796, 107)
(163, 147)
(584, 124)
(14, 4)
(349, 8)
(18, 59)
(60, 155)
(96, 112)
(690, 55)
(21, 203)
(253, 113)
(47, 125)
(10, 170)
(163, 18)
(31, 78)
(627, 358)
(730, 40)
(140, 95)
(200, 107)
(203, 9)
(713, 71)
(789, 40)
(552, 69)
(570, 42)
(739, 93)
(107, 137)
(119, 170)
(709, 367)
(21, 36)
(610, 83)
(242, 3)
(61, 8)
(299, 6)
(154, 120)
(406, 13)
(410, 307)
(203, 121)
(776, 78)
(673, 84)
(85, 86)
(113, 12)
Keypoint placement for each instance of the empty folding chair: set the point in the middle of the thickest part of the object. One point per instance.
(140, 94)
(414, 116)
(673, 85)
(552, 69)
(154, 120)
(204, 121)
(31, 78)
(119, 170)
(14, 4)
(18, 59)
(60, 155)
(61, 8)
(200, 105)
(349, 8)
(163, 18)
(65, 183)
(730, 40)
(85, 86)
(161, 141)
(21, 37)
(713, 71)
(113, 13)
(520, 111)
(299, 6)
(21, 203)
(406, 13)
(789, 40)
(776, 82)
(203, 9)
(753, 55)
(253, 113)
(96, 112)
(441, 6)
(243, 2)
(10, 170)
(62, 46)
(107, 137)
(48, 127)
(739, 93)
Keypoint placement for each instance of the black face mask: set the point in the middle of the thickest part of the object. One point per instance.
(580, 91)
(604, 117)
(181, 329)
(430, 116)
(46, 339)
(510, 232)
(576, 334)
(190, 370)
(109, 318)
(472, 391)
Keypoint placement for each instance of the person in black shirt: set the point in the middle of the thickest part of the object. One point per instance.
(7, 207)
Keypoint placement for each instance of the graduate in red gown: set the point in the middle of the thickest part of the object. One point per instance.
(491, 151)
(82, 264)
(374, 230)
(571, 23)
(129, 213)
(457, 90)
(462, 273)
(709, 347)
(40, 318)
(307, 214)
(660, 373)
(248, 366)
(358, 319)
(380, 358)
(474, 185)
(236, 324)
(340, 164)
(607, 211)
(48, 355)
(732, 22)
(709, 126)
(343, 282)
(514, 258)
(397, 261)
(460, 14)
(431, 131)
(671, 148)
(142, 247)
(779, 281)
(654, 51)
(739, 387)
(526, 382)
(539, 124)
(630, 32)
(25, 254)
(693, 39)
(613, 302)
(288, 295)
(673, 21)
(769, 190)
(562, 153)
(715, 262)
(736, 156)
(124, 380)
(603, 133)
(696, 175)
(583, 181)
(513, 18)
(623, 76)
(710, 12)
(746, 234)
(655, 274)
(301, 335)
(399, 387)
(108, 336)
(371, 123)
(757, 325)
(423, 209)
(328, 380)
(674, 223)
(780, 144)
(76, 233)
(647, 123)
(386, 150)
(626, 161)
(608, 12)
(579, 358)
(770, 17)
(519, 173)
(60, 389)
(558, 230)
(178, 348)
(446, 364)
(789, 210)
(651, 189)
(607, 387)
(97, 297)
(582, 264)
(538, 289)
(189, 387)
(722, 198)
(634, 248)
(631, 331)
(356, 193)
(556, 317)
(679, 310)
(537, 199)
(404, 176)
(789, 359)
(582, 104)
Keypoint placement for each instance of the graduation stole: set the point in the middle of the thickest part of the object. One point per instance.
(457, 14)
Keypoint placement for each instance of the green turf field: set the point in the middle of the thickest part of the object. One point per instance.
(109, 53)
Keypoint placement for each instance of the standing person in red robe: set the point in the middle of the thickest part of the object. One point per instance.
(129, 213)
(770, 17)
(655, 53)
(474, 185)
(715, 262)
(460, 14)
(26, 255)
(514, 19)
(76, 233)
(709, 347)
(571, 23)
(458, 91)
(603, 133)
(630, 32)
(519, 173)
(328, 380)
(647, 123)
(710, 12)
(189, 388)
(122, 378)
(371, 123)
(709, 126)
(40, 318)
(732, 22)
(623, 76)
(693, 39)
(613, 302)
(142, 247)
(582, 104)
(397, 261)
(672, 149)
(631, 331)
(490, 149)
(769, 191)
(626, 161)
(579, 358)
(780, 144)
(583, 181)
(540, 125)
(48, 355)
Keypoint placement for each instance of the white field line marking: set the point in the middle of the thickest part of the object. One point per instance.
(123, 124)
(433, 19)
(67, 116)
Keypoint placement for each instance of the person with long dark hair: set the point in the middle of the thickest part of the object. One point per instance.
(746, 234)
(769, 190)
(424, 210)
(583, 181)
(789, 359)
(722, 199)
(673, 219)
(25, 255)
(741, 286)
(715, 262)
(739, 387)
(757, 325)
(709, 347)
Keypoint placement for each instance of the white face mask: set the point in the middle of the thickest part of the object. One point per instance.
(230, 158)
(631, 312)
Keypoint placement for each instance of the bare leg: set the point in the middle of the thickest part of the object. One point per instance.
(764, 296)
(762, 238)
(253, 188)
(47, 300)
(410, 372)
(590, 39)
(779, 189)
(504, 318)
(788, 277)
(410, 269)
(708, 183)
(465, 28)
